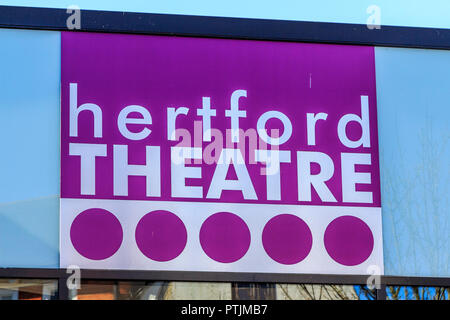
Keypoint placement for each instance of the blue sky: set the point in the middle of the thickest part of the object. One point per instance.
(418, 13)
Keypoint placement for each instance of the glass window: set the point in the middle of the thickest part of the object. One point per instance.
(417, 293)
(324, 292)
(28, 289)
(160, 290)
(151, 290)
(254, 291)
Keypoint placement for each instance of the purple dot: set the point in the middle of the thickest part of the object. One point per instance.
(161, 235)
(225, 237)
(96, 234)
(348, 240)
(287, 239)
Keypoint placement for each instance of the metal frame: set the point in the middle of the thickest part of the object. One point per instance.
(221, 27)
(235, 28)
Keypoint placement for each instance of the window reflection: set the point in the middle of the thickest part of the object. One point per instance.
(254, 291)
(159, 290)
(28, 289)
(47, 289)
(417, 293)
(323, 292)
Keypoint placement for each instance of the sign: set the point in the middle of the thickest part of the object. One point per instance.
(218, 155)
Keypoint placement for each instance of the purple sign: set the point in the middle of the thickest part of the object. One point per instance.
(218, 155)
